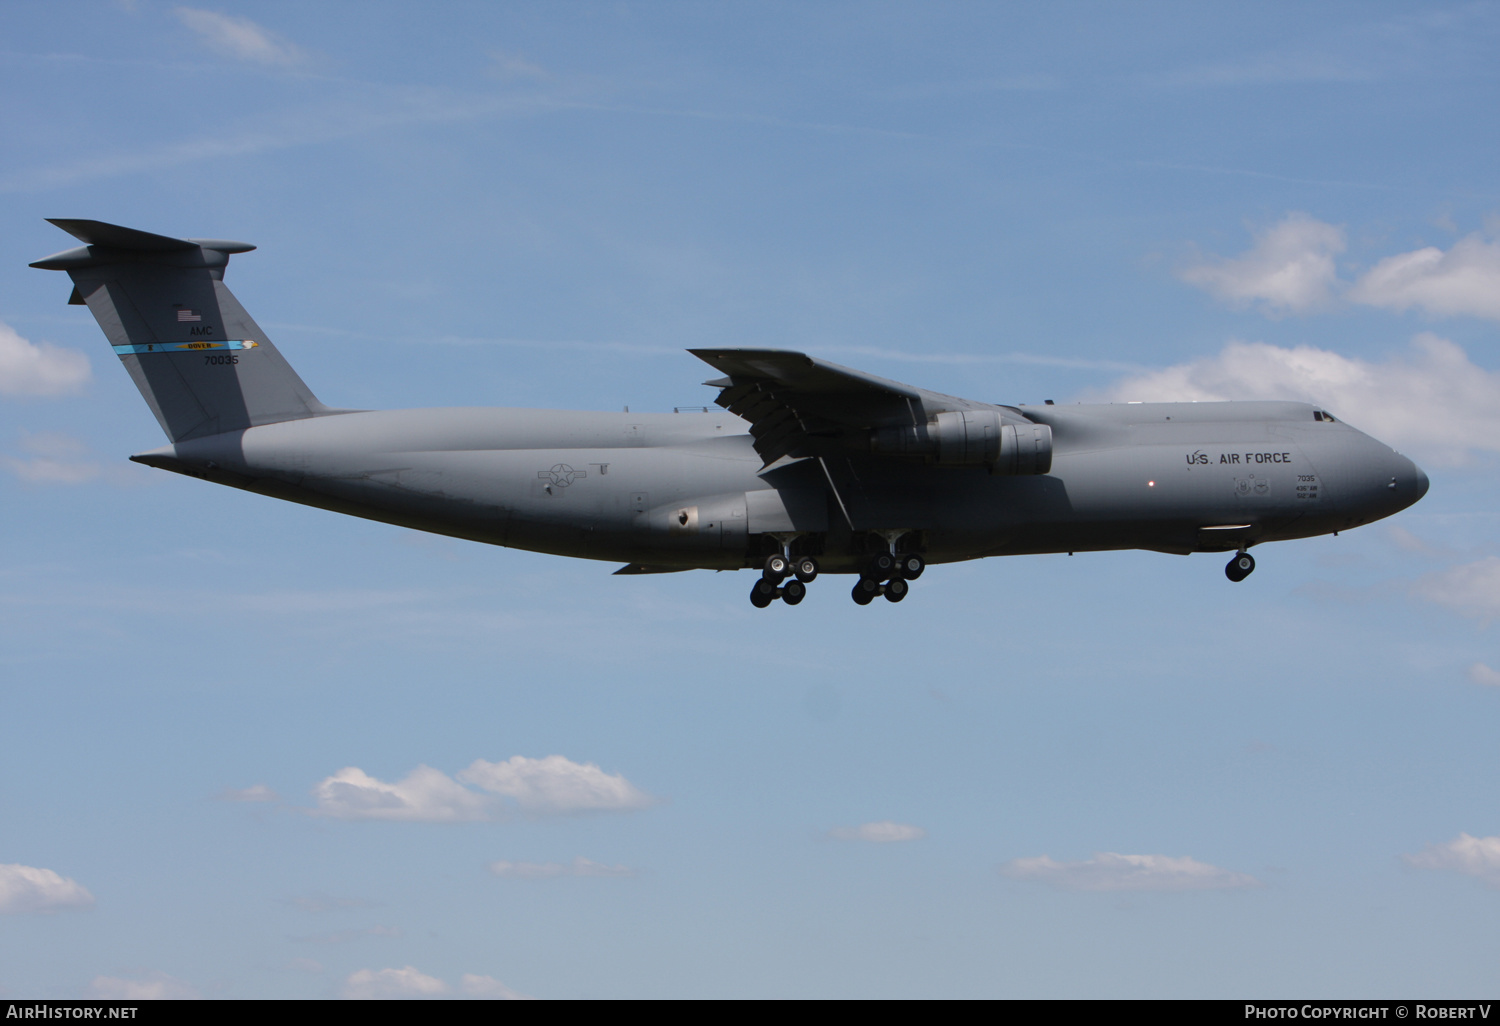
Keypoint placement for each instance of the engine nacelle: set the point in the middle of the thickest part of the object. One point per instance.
(1027, 450)
(971, 438)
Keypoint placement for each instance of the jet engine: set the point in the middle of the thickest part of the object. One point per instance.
(971, 438)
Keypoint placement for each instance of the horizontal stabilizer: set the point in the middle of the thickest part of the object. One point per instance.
(99, 233)
(110, 243)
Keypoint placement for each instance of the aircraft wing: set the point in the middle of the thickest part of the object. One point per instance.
(801, 406)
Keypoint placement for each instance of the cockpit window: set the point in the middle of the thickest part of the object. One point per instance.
(1323, 416)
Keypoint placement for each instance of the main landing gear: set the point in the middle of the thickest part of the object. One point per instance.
(778, 568)
(1240, 567)
(888, 574)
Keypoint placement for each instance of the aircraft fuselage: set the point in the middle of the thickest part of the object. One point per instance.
(813, 467)
(678, 491)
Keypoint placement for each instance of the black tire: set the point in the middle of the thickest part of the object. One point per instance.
(911, 566)
(794, 591)
(881, 567)
(761, 599)
(777, 568)
(806, 569)
(865, 591)
(1240, 567)
(896, 590)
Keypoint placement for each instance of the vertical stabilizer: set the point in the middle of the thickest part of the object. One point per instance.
(202, 364)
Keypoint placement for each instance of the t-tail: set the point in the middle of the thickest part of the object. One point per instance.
(202, 363)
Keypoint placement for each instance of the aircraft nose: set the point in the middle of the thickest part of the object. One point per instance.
(1408, 482)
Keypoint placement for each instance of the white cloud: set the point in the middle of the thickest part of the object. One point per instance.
(552, 785)
(156, 987)
(513, 65)
(1470, 589)
(882, 832)
(313, 124)
(1432, 401)
(28, 889)
(1463, 281)
(555, 784)
(370, 984)
(488, 987)
(239, 38)
(31, 369)
(1472, 856)
(257, 793)
(580, 866)
(424, 795)
(396, 984)
(1108, 871)
(1408, 542)
(52, 458)
(1290, 268)
(1479, 673)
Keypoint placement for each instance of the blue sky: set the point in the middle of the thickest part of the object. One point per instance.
(1113, 775)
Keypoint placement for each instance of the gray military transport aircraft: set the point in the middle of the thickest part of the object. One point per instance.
(813, 469)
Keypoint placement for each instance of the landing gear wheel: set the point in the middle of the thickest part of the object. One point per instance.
(794, 592)
(910, 566)
(896, 590)
(777, 568)
(763, 594)
(880, 567)
(1240, 567)
(865, 591)
(806, 569)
